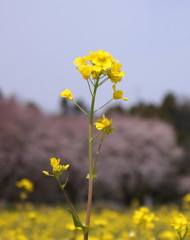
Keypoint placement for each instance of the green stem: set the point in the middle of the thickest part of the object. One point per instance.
(96, 135)
(67, 199)
(98, 153)
(91, 81)
(179, 234)
(80, 108)
(89, 87)
(90, 183)
(103, 105)
(103, 81)
(185, 233)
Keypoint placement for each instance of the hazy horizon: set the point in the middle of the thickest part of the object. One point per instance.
(40, 39)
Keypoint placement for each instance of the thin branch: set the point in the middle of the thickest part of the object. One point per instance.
(67, 199)
(89, 87)
(96, 135)
(80, 108)
(103, 81)
(98, 152)
(103, 105)
(91, 81)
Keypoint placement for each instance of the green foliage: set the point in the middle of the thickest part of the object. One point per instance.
(77, 221)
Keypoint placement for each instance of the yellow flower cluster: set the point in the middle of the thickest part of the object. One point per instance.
(67, 94)
(104, 124)
(167, 235)
(25, 184)
(57, 168)
(186, 200)
(43, 222)
(144, 217)
(97, 63)
(26, 187)
(101, 64)
(180, 224)
(118, 94)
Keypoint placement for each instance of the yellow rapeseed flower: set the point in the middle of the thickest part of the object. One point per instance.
(180, 223)
(85, 71)
(99, 63)
(167, 235)
(54, 162)
(118, 94)
(101, 60)
(57, 168)
(79, 61)
(25, 184)
(103, 123)
(143, 217)
(100, 222)
(67, 94)
(115, 74)
(186, 200)
(32, 215)
(46, 173)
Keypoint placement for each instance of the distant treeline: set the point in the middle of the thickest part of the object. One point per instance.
(172, 109)
(140, 159)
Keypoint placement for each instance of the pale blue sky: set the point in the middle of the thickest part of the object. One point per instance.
(40, 39)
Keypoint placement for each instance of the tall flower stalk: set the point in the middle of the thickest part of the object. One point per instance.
(90, 184)
(96, 68)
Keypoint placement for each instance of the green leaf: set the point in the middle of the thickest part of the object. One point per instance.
(93, 176)
(108, 130)
(77, 221)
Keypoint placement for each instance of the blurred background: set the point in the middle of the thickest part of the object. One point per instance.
(147, 156)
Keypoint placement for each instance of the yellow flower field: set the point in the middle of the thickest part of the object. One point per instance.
(28, 222)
